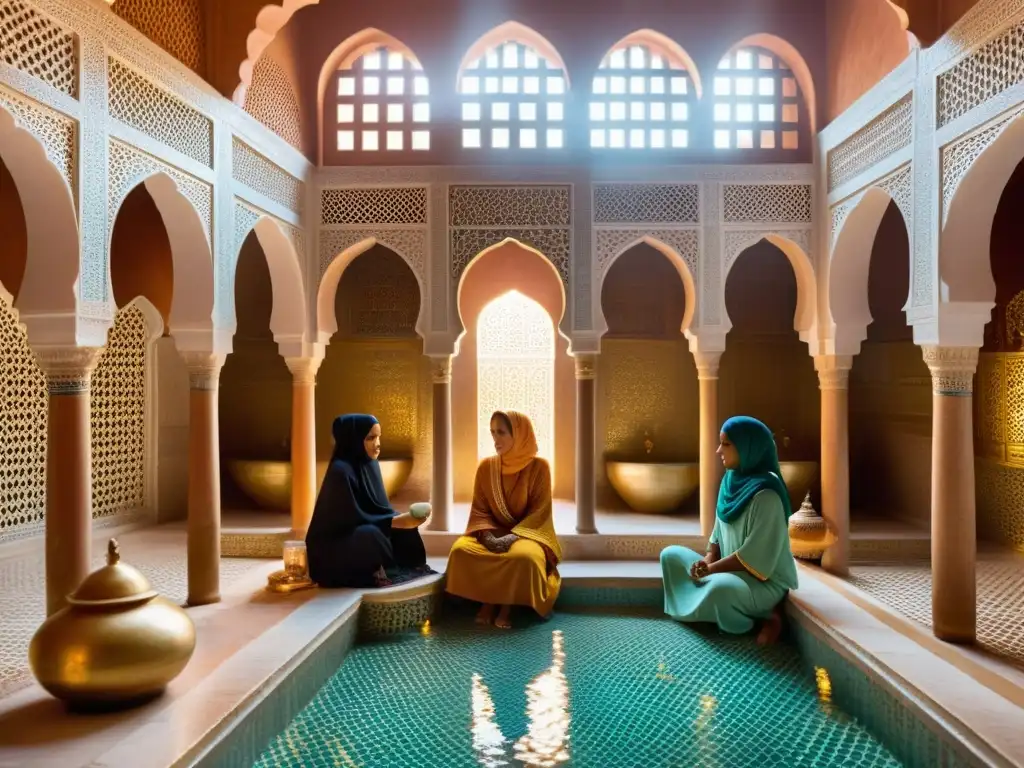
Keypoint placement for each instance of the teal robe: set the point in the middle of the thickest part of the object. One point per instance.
(759, 538)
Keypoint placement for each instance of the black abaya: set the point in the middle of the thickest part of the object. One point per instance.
(350, 537)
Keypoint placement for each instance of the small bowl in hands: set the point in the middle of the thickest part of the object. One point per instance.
(420, 510)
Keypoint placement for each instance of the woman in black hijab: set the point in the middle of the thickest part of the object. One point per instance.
(355, 538)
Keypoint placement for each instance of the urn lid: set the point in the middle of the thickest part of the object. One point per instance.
(115, 583)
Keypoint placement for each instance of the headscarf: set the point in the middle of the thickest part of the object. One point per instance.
(353, 492)
(759, 468)
(524, 443)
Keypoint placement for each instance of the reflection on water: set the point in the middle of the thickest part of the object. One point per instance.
(488, 740)
(704, 730)
(824, 683)
(546, 741)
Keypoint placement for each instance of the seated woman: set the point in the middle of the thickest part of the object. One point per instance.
(355, 538)
(509, 554)
(749, 567)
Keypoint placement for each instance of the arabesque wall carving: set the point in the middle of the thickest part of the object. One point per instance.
(23, 408)
(177, 26)
(36, 44)
(118, 410)
(258, 173)
(646, 203)
(987, 72)
(271, 99)
(890, 132)
(56, 132)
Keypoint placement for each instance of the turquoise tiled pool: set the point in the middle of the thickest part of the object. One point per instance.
(588, 688)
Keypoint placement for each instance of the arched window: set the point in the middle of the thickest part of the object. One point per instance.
(757, 102)
(381, 102)
(643, 97)
(516, 367)
(512, 96)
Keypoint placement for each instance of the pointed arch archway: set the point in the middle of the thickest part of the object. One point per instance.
(326, 322)
(192, 292)
(50, 280)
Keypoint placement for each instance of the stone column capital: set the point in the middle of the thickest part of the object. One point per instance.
(304, 369)
(833, 371)
(203, 370)
(707, 365)
(585, 364)
(952, 369)
(441, 369)
(68, 370)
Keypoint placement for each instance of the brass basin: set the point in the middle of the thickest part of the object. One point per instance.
(269, 483)
(653, 488)
(800, 477)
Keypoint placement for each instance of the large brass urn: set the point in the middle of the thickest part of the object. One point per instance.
(116, 644)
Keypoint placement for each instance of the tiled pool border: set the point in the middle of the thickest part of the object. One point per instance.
(915, 733)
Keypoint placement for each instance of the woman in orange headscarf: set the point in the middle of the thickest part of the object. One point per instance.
(509, 554)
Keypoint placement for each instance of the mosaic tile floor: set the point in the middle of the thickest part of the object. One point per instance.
(908, 589)
(585, 690)
(159, 553)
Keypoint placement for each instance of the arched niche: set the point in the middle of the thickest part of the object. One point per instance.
(288, 312)
(501, 268)
(142, 254)
(374, 362)
(326, 316)
(998, 386)
(970, 199)
(890, 398)
(255, 393)
(49, 278)
(646, 377)
(766, 371)
(13, 235)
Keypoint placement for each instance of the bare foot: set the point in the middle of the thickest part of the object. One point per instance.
(503, 621)
(485, 614)
(771, 629)
(380, 578)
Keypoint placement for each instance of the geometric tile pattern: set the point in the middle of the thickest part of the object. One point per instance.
(911, 738)
(159, 554)
(567, 692)
(377, 619)
(908, 590)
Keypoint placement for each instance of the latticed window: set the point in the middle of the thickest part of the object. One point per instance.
(516, 367)
(512, 97)
(641, 99)
(756, 102)
(381, 103)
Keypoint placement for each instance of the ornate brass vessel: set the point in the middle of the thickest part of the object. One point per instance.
(654, 488)
(269, 483)
(809, 534)
(117, 643)
(799, 477)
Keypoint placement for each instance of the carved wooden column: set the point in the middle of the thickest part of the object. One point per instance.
(441, 498)
(203, 477)
(586, 416)
(68, 469)
(303, 441)
(710, 429)
(834, 383)
(954, 539)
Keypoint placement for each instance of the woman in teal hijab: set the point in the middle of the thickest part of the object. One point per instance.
(748, 568)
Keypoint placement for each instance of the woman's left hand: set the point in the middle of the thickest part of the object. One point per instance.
(405, 520)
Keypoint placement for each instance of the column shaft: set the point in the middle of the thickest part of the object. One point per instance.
(833, 381)
(203, 478)
(954, 537)
(303, 441)
(586, 450)
(441, 496)
(68, 471)
(710, 430)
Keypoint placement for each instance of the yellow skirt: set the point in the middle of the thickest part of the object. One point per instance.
(517, 577)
